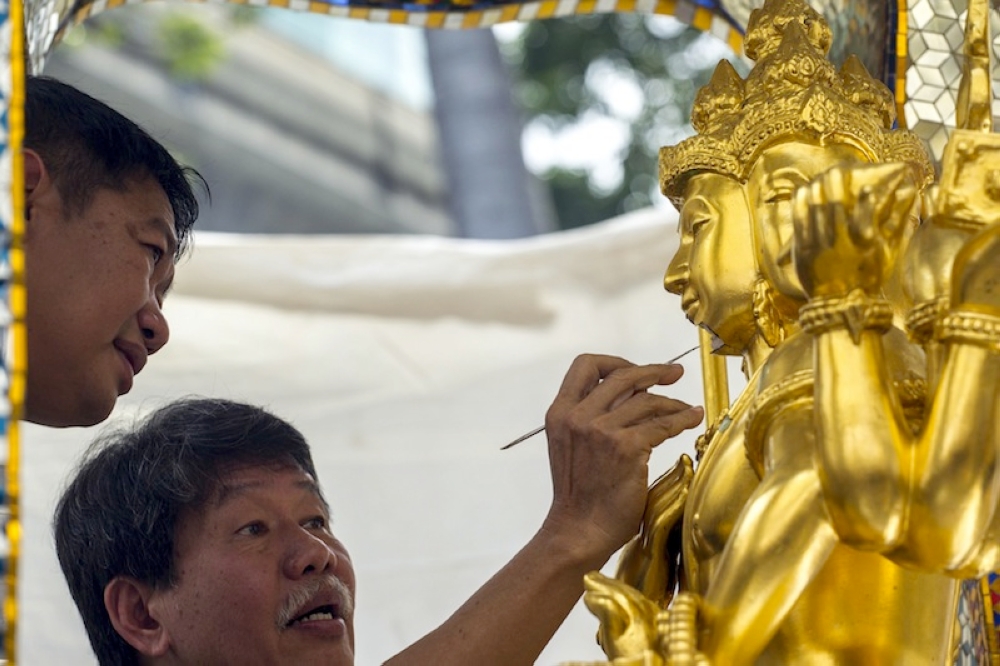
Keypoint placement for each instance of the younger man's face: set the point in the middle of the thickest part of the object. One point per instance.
(260, 578)
(96, 281)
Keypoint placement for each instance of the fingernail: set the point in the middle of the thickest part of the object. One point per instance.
(698, 409)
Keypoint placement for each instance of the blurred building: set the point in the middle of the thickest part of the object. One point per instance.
(289, 142)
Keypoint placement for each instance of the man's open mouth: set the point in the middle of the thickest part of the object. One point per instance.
(326, 612)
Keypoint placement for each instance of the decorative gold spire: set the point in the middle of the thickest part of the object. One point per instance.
(973, 109)
(717, 103)
(767, 25)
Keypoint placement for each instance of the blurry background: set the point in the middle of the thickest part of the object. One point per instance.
(313, 124)
(411, 235)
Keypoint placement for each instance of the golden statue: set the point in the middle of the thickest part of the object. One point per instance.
(845, 505)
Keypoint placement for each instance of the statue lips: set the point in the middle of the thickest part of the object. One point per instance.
(690, 303)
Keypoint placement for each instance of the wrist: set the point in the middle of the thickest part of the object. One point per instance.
(969, 327)
(854, 312)
(576, 543)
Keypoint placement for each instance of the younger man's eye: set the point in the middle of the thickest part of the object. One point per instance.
(156, 251)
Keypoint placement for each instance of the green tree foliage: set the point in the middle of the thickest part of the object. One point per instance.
(190, 49)
(639, 71)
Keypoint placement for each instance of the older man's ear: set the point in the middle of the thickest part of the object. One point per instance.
(131, 606)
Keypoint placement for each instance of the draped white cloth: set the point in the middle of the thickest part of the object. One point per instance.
(407, 362)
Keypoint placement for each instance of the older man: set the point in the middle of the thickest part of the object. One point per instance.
(202, 537)
(107, 213)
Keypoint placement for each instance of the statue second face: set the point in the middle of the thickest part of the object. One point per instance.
(713, 271)
(771, 184)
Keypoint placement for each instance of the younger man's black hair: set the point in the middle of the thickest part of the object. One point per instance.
(86, 145)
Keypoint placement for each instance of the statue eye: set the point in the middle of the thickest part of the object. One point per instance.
(779, 194)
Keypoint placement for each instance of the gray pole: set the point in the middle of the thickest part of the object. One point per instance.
(492, 194)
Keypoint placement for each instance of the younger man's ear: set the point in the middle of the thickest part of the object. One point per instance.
(36, 179)
(127, 603)
(35, 172)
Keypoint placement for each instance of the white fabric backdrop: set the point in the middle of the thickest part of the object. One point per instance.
(407, 362)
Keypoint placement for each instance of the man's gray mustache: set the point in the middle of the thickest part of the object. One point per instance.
(309, 590)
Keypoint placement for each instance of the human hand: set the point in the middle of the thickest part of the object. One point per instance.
(602, 427)
(848, 224)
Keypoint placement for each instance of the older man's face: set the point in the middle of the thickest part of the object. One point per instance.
(260, 577)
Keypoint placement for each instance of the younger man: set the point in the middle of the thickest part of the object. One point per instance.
(107, 213)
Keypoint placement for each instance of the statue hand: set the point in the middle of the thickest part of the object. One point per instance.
(628, 619)
(849, 223)
(651, 561)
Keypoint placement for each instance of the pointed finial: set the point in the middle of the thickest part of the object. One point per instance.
(718, 100)
(973, 109)
(767, 25)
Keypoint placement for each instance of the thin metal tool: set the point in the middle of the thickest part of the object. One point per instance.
(529, 435)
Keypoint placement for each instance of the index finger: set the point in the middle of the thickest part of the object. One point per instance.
(627, 382)
(586, 372)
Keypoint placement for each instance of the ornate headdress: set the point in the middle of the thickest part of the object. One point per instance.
(714, 116)
(793, 92)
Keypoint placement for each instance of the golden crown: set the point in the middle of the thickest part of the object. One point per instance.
(793, 92)
(714, 115)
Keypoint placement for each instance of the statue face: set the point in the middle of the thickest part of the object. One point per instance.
(714, 271)
(778, 172)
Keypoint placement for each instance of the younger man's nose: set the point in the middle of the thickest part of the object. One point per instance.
(152, 323)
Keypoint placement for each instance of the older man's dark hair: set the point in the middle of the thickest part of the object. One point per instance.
(119, 514)
(86, 145)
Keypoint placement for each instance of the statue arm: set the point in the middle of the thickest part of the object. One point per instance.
(863, 440)
(848, 223)
(956, 484)
(928, 499)
(957, 470)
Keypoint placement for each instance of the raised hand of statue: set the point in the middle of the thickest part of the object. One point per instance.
(601, 429)
(849, 225)
(650, 562)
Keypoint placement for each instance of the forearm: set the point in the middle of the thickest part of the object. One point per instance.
(957, 471)
(863, 439)
(511, 618)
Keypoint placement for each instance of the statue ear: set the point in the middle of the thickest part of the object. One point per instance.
(766, 314)
(127, 602)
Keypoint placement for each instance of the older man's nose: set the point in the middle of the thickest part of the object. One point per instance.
(308, 554)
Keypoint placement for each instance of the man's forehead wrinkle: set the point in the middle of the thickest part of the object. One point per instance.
(228, 491)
